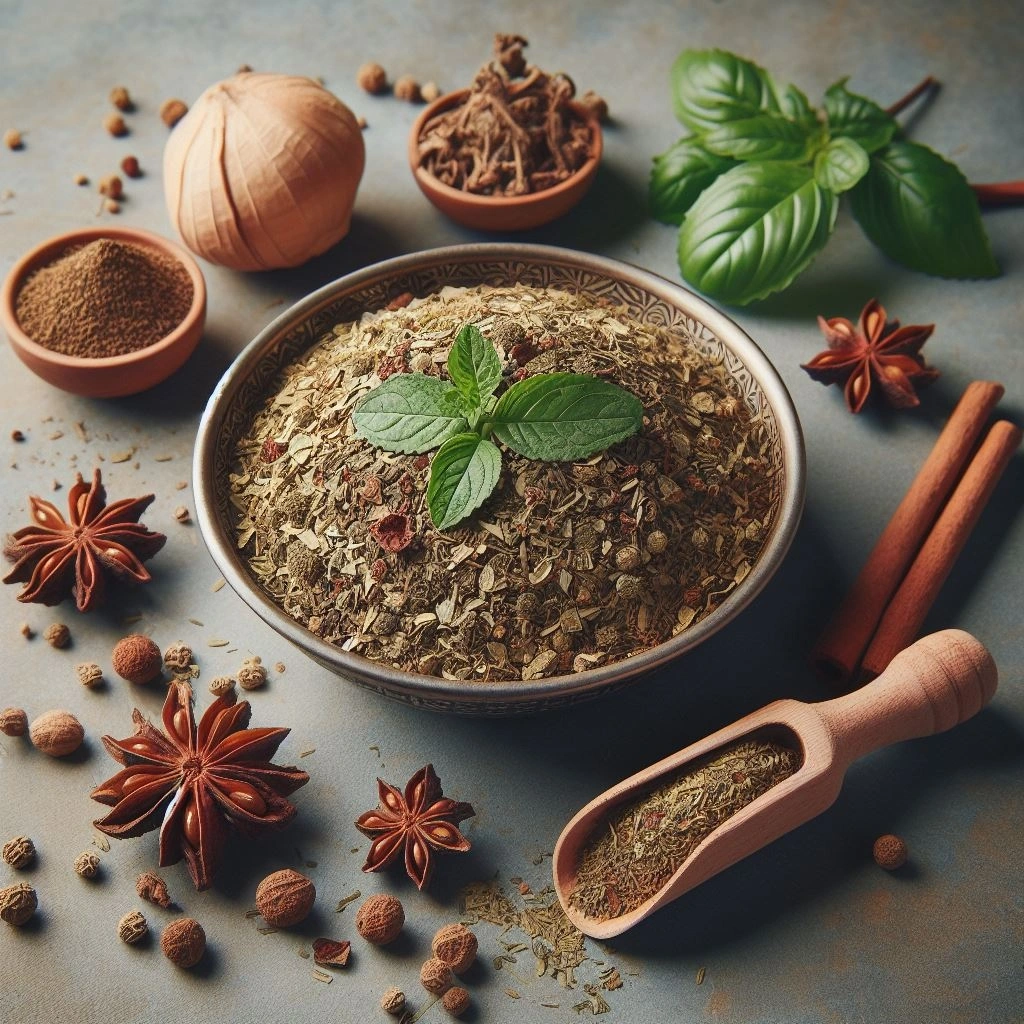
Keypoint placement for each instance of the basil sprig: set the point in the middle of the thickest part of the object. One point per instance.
(552, 417)
(755, 185)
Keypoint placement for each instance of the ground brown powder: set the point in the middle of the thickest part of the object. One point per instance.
(106, 298)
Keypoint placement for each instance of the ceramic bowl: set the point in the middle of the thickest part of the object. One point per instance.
(110, 376)
(645, 296)
(502, 213)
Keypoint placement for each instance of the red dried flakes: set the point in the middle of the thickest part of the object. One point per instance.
(534, 495)
(394, 532)
(522, 352)
(272, 450)
(331, 952)
(400, 301)
(630, 471)
(372, 492)
(378, 570)
(547, 343)
(421, 462)
(627, 523)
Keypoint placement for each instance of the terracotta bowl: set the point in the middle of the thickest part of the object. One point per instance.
(645, 296)
(110, 376)
(502, 213)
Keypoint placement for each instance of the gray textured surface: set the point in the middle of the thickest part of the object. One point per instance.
(810, 931)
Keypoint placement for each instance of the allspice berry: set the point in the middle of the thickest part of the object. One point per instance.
(456, 1001)
(18, 903)
(890, 852)
(19, 852)
(372, 78)
(89, 674)
(132, 928)
(436, 976)
(57, 733)
(252, 675)
(114, 123)
(285, 898)
(221, 686)
(456, 945)
(137, 659)
(13, 722)
(172, 111)
(120, 98)
(87, 864)
(57, 635)
(393, 1001)
(130, 166)
(183, 942)
(178, 657)
(380, 919)
(407, 88)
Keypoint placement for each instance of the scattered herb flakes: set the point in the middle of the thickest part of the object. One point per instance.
(128, 620)
(306, 753)
(181, 485)
(83, 434)
(249, 914)
(684, 505)
(266, 930)
(162, 458)
(323, 976)
(123, 456)
(701, 971)
(551, 1006)
(195, 622)
(311, 863)
(376, 750)
(303, 952)
(218, 585)
(350, 898)
(512, 993)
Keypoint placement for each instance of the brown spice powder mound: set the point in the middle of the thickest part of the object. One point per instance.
(106, 298)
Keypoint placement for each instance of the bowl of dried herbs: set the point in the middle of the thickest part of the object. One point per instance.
(489, 479)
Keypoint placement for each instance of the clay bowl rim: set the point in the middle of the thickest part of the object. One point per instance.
(48, 251)
(471, 201)
(496, 698)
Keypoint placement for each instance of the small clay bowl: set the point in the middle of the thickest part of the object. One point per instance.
(502, 213)
(110, 376)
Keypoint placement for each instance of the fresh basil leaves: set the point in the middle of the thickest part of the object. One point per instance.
(554, 417)
(755, 185)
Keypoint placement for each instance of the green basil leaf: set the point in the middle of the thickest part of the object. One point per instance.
(840, 165)
(462, 475)
(919, 210)
(679, 175)
(473, 365)
(764, 137)
(561, 417)
(754, 230)
(858, 118)
(410, 412)
(795, 106)
(710, 87)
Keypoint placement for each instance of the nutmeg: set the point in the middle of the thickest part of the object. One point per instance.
(132, 928)
(137, 659)
(252, 675)
(372, 78)
(57, 635)
(890, 852)
(13, 722)
(18, 903)
(87, 864)
(57, 733)
(456, 1001)
(89, 674)
(19, 852)
(220, 686)
(393, 1001)
(380, 919)
(178, 657)
(184, 942)
(285, 898)
(436, 976)
(456, 945)
(407, 88)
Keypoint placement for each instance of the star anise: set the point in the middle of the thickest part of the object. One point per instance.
(56, 556)
(421, 820)
(191, 782)
(876, 350)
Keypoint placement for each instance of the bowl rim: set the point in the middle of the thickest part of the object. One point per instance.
(473, 200)
(435, 691)
(48, 251)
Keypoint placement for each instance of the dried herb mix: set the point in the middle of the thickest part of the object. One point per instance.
(646, 840)
(567, 565)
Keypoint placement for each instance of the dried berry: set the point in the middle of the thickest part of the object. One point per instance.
(13, 722)
(89, 674)
(436, 976)
(890, 852)
(132, 928)
(285, 898)
(114, 123)
(456, 1001)
(137, 659)
(429, 92)
(407, 88)
(182, 515)
(57, 733)
(12, 139)
(19, 852)
(178, 658)
(130, 166)
(220, 686)
(172, 111)
(372, 78)
(87, 864)
(120, 98)
(380, 919)
(81, 179)
(112, 206)
(150, 886)
(18, 903)
(111, 186)
(183, 942)
(393, 1001)
(252, 675)
(57, 635)
(456, 945)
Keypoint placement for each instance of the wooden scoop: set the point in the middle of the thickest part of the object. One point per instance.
(936, 683)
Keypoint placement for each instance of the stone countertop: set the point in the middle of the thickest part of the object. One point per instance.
(807, 931)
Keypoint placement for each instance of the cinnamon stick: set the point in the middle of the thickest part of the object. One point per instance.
(906, 612)
(841, 645)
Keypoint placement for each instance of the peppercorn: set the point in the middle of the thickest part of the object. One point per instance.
(380, 919)
(89, 674)
(890, 852)
(372, 78)
(172, 111)
(120, 98)
(57, 635)
(13, 140)
(285, 898)
(114, 123)
(183, 942)
(18, 903)
(137, 659)
(81, 179)
(132, 928)
(13, 722)
(87, 864)
(111, 186)
(436, 976)
(19, 852)
(407, 88)
(455, 1001)
(130, 166)
(393, 1001)
(456, 945)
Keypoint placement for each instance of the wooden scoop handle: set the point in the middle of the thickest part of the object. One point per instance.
(934, 684)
